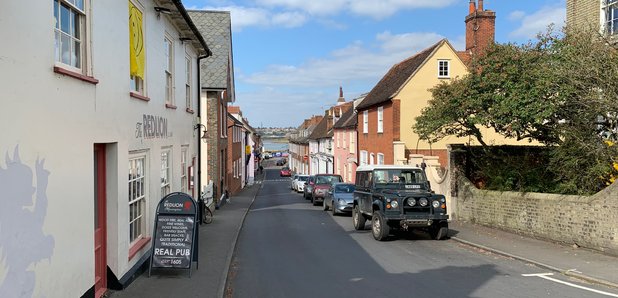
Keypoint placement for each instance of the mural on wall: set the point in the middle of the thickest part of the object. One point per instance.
(22, 241)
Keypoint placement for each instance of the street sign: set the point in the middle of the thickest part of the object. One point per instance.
(175, 238)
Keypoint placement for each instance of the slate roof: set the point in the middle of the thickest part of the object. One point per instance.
(321, 130)
(236, 121)
(347, 120)
(396, 77)
(183, 22)
(216, 28)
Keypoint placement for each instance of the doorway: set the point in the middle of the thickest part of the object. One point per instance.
(100, 222)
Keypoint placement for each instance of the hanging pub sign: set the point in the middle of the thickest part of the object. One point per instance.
(175, 233)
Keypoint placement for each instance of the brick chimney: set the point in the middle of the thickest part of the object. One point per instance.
(341, 99)
(480, 28)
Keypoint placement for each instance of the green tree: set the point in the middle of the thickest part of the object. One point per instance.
(554, 90)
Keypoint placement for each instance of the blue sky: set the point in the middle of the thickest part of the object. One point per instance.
(291, 56)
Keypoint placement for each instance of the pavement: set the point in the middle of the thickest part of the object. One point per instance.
(584, 264)
(217, 244)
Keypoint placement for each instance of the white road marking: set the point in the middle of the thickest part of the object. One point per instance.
(546, 276)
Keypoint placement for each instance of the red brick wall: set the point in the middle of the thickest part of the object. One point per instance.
(234, 153)
(374, 142)
(480, 39)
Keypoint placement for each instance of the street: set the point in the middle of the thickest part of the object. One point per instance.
(289, 248)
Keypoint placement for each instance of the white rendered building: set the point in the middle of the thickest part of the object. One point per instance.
(98, 101)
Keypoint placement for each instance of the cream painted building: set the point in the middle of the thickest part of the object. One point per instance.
(387, 114)
(89, 150)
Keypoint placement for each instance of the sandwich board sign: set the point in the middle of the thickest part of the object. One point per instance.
(175, 233)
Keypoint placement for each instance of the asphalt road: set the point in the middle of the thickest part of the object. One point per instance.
(289, 248)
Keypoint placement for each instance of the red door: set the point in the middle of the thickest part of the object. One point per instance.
(100, 215)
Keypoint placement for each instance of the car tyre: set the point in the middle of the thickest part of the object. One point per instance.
(324, 205)
(438, 231)
(379, 226)
(358, 219)
(334, 209)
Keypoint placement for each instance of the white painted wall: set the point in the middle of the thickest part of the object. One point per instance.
(56, 118)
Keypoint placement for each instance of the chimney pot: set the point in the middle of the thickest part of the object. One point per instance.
(472, 6)
(480, 5)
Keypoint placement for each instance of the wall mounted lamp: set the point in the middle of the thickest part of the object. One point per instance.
(162, 10)
(183, 39)
(198, 126)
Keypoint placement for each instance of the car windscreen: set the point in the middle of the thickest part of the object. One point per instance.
(399, 177)
(344, 188)
(327, 179)
(303, 178)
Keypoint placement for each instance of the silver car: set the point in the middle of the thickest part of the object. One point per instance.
(293, 183)
(340, 198)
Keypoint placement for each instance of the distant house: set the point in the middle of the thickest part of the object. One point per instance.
(235, 159)
(248, 142)
(299, 145)
(345, 144)
(217, 90)
(321, 151)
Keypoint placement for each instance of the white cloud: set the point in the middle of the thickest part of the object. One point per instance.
(369, 8)
(315, 7)
(538, 21)
(259, 17)
(516, 15)
(402, 42)
(289, 19)
(355, 62)
(385, 8)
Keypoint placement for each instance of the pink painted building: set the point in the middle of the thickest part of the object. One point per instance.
(345, 146)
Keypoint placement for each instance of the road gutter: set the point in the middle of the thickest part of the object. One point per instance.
(570, 272)
(223, 286)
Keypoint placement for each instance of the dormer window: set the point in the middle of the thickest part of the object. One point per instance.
(444, 69)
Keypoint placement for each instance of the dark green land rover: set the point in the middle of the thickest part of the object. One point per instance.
(397, 197)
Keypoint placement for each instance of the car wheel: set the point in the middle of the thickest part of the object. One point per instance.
(438, 231)
(313, 201)
(379, 226)
(324, 205)
(358, 219)
(334, 209)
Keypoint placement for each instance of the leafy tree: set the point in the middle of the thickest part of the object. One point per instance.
(560, 90)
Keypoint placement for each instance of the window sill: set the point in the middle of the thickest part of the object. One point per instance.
(170, 106)
(139, 96)
(76, 75)
(138, 246)
(190, 111)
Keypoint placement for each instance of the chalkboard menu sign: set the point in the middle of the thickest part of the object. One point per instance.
(174, 236)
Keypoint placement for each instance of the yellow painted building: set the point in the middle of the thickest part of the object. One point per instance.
(444, 64)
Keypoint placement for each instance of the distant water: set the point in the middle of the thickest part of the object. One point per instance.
(269, 145)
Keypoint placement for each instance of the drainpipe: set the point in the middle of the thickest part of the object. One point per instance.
(199, 116)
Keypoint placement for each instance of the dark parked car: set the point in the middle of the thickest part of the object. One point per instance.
(308, 189)
(340, 198)
(321, 185)
(397, 197)
(281, 162)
